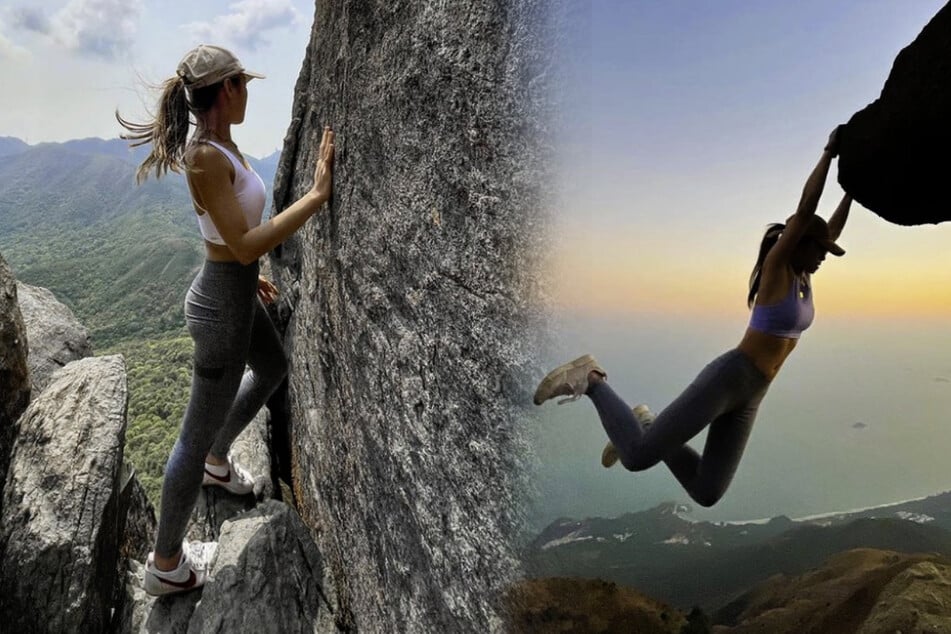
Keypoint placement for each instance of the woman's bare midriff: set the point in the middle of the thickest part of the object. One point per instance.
(218, 252)
(768, 352)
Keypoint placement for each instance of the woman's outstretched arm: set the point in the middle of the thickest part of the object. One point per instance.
(808, 203)
(839, 217)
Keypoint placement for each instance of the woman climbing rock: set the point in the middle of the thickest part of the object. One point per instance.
(223, 306)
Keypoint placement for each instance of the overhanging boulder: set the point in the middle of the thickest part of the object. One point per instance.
(893, 154)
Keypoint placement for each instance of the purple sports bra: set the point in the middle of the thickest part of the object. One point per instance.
(789, 317)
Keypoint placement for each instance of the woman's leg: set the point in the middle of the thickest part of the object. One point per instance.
(268, 367)
(706, 478)
(728, 385)
(219, 313)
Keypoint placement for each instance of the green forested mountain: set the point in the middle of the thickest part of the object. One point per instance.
(73, 220)
(121, 256)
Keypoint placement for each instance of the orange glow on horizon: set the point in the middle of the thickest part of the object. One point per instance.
(635, 274)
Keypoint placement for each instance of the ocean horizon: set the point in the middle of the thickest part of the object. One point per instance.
(857, 418)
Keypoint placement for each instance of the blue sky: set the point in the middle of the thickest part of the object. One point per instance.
(67, 65)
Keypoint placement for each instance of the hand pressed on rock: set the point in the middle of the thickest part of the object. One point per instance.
(323, 173)
(832, 145)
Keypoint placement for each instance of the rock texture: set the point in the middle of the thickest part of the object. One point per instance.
(56, 336)
(266, 577)
(892, 157)
(14, 372)
(864, 591)
(411, 300)
(60, 528)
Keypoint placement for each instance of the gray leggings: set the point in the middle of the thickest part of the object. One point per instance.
(230, 328)
(725, 396)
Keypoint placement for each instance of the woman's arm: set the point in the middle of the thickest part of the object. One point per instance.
(796, 226)
(210, 180)
(839, 217)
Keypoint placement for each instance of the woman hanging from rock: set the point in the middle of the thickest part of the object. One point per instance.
(727, 393)
(223, 306)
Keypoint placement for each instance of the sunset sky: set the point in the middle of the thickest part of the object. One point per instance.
(692, 125)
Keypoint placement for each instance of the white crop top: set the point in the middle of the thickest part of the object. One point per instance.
(248, 189)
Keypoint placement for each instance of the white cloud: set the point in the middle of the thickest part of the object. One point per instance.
(98, 28)
(246, 22)
(9, 50)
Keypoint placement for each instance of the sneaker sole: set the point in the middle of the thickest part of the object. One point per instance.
(161, 587)
(557, 377)
(609, 456)
(224, 487)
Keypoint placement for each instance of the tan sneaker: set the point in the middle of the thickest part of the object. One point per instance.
(570, 379)
(645, 417)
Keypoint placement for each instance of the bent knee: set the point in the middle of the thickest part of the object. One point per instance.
(638, 463)
(708, 497)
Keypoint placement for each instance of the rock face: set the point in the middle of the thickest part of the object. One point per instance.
(14, 372)
(865, 591)
(411, 297)
(60, 528)
(56, 336)
(266, 577)
(892, 157)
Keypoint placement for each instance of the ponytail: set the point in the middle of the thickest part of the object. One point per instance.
(770, 238)
(168, 131)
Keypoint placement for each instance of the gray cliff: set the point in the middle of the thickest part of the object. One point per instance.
(56, 337)
(14, 372)
(409, 302)
(60, 528)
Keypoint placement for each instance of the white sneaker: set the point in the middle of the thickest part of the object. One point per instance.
(231, 477)
(191, 573)
(645, 417)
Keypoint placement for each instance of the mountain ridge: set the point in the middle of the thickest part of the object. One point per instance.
(664, 553)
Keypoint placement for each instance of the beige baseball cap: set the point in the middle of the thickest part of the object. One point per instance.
(206, 64)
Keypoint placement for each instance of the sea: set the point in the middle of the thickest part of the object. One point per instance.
(859, 416)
